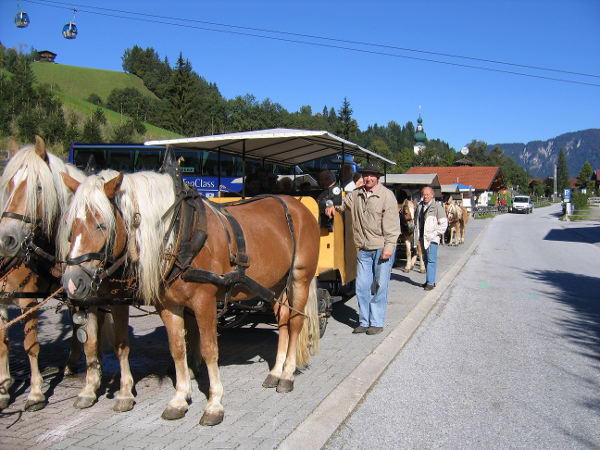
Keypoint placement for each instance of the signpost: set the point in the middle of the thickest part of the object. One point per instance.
(567, 195)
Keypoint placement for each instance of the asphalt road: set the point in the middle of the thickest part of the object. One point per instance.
(508, 359)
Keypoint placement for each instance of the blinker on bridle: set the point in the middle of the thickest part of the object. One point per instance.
(104, 256)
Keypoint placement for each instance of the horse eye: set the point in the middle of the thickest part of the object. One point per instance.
(101, 227)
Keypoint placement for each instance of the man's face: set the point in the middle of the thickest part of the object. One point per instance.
(427, 195)
(370, 180)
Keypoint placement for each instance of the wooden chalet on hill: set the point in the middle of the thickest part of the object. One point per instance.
(480, 181)
(46, 56)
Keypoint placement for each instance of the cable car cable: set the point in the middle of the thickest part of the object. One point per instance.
(326, 38)
(44, 2)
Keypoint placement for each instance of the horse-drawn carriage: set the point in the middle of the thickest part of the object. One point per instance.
(291, 148)
(150, 235)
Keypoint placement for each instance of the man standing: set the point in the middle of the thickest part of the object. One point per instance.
(431, 223)
(376, 227)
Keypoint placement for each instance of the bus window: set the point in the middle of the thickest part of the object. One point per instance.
(82, 156)
(148, 160)
(190, 164)
(121, 160)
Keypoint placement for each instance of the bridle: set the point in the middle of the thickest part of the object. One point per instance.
(104, 256)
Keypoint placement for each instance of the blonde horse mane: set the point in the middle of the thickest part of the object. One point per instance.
(455, 209)
(26, 165)
(143, 199)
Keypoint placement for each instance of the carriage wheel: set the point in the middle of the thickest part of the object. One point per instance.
(323, 308)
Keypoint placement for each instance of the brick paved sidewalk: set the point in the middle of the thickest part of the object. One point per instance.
(255, 417)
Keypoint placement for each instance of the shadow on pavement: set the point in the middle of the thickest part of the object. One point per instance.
(589, 235)
(582, 328)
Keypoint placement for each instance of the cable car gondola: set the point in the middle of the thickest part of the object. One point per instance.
(22, 18)
(70, 29)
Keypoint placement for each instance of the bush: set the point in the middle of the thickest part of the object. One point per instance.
(579, 200)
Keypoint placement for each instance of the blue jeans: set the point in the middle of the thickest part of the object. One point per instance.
(430, 260)
(371, 308)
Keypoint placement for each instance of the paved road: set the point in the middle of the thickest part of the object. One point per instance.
(255, 418)
(508, 359)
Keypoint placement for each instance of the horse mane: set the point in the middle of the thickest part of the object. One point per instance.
(150, 195)
(55, 196)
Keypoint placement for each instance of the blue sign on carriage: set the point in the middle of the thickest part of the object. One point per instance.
(567, 195)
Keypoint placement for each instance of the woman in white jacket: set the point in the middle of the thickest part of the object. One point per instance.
(431, 223)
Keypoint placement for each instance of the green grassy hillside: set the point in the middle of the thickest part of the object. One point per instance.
(76, 84)
(80, 82)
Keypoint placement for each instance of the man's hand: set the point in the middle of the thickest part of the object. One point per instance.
(330, 211)
(386, 254)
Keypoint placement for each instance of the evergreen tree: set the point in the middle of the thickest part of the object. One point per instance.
(92, 128)
(24, 94)
(562, 179)
(181, 99)
(585, 175)
(347, 126)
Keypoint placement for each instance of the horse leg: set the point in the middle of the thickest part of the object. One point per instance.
(5, 380)
(282, 316)
(206, 316)
(76, 352)
(35, 400)
(93, 356)
(125, 399)
(174, 324)
(409, 262)
(299, 296)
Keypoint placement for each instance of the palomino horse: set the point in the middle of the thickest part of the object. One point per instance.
(458, 216)
(33, 198)
(407, 226)
(278, 252)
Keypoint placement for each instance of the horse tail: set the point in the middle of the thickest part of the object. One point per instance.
(308, 339)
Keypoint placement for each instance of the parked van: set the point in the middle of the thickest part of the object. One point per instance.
(522, 203)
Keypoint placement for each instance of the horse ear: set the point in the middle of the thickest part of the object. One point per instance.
(71, 182)
(13, 147)
(40, 148)
(91, 167)
(111, 187)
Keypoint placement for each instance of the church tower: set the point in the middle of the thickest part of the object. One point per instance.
(420, 136)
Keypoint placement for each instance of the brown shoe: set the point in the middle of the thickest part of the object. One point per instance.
(360, 329)
(374, 330)
(429, 287)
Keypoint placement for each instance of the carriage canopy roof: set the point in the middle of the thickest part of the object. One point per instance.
(278, 145)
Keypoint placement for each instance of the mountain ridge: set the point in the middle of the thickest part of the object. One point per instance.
(539, 157)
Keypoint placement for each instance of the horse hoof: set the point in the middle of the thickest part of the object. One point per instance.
(285, 386)
(35, 405)
(271, 381)
(210, 420)
(4, 403)
(84, 402)
(70, 371)
(174, 413)
(406, 270)
(123, 404)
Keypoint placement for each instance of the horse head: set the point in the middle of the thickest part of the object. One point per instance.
(32, 196)
(93, 234)
(407, 214)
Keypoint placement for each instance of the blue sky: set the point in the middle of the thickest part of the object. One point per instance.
(458, 103)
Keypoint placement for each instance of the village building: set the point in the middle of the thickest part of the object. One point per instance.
(46, 56)
(476, 184)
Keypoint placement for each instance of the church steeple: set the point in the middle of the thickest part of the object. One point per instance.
(420, 135)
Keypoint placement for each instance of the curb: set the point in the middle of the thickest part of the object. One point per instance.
(322, 423)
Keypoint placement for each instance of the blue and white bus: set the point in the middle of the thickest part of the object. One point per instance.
(207, 171)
